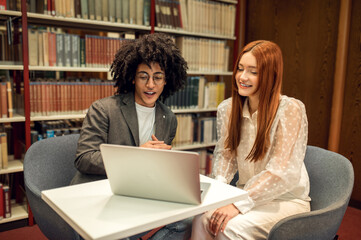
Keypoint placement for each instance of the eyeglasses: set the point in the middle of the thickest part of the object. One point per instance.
(143, 77)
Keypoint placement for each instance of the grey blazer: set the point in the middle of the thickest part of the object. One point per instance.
(114, 120)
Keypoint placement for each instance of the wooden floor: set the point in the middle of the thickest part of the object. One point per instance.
(350, 229)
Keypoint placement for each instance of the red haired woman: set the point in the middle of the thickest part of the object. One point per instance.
(262, 135)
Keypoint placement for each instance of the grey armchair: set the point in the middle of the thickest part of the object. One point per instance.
(49, 164)
(331, 182)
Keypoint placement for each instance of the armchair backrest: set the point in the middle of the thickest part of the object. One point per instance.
(331, 183)
(48, 164)
(331, 178)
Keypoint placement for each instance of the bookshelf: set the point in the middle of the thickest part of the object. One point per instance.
(28, 18)
(11, 67)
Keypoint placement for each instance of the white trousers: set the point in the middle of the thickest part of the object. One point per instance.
(256, 224)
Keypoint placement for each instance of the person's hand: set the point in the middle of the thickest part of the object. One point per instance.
(155, 143)
(220, 218)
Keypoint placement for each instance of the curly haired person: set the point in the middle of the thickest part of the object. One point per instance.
(146, 70)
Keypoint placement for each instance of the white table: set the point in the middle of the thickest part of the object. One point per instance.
(96, 213)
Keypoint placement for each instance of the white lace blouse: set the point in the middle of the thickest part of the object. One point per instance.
(281, 174)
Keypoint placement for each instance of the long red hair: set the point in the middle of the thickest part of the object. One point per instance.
(270, 70)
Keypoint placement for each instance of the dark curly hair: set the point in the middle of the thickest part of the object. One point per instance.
(158, 48)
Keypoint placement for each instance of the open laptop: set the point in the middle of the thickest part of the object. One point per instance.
(167, 175)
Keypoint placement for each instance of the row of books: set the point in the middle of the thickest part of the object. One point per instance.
(121, 11)
(198, 94)
(191, 15)
(196, 16)
(47, 129)
(70, 50)
(204, 54)
(52, 97)
(205, 161)
(10, 44)
(5, 203)
(14, 5)
(195, 129)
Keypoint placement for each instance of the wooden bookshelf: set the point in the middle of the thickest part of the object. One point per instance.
(228, 1)
(11, 67)
(13, 167)
(194, 146)
(79, 23)
(10, 13)
(210, 73)
(194, 110)
(194, 34)
(106, 69)
(16, 118)
(68, 69)
(57, 117)
(18, 212)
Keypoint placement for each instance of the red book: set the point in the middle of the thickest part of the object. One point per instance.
(52, 49)
(3, 5)
(49, 7)
(53, 7)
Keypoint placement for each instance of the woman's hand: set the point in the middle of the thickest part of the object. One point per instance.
(220, 218)
(155, 143)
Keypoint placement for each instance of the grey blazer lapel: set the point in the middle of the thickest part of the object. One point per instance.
(130, 116)
(160, 122)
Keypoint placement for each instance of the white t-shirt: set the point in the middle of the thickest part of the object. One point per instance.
(146, 119)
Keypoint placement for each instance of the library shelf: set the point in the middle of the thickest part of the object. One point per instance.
(104, 69)
(13, 166)
(194, 110)
(194, 146)
(18, 212)
(194, 34)
(11, 67)
(80, 23)
(228, 1)
(57, 117)
(10, 13)
(77, 116)
(209, 73)
(68, 69)
(16, 118)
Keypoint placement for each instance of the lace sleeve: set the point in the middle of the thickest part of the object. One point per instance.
(285, 158)
(224, 164)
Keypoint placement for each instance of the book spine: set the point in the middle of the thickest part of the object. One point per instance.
(7, 203)
(67, 50)
(4, 100)
(3, 5)
(91, 9)
(82, 52)
(10, 99)
(4, 150)
(60, 61)
(2, 202)
(118, 11)
(77, 9)
(146, 13)
(125, 13)
(84, 9)
(105, 10)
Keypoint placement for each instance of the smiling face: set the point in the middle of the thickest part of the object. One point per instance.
(247, 77)
(148, 84)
